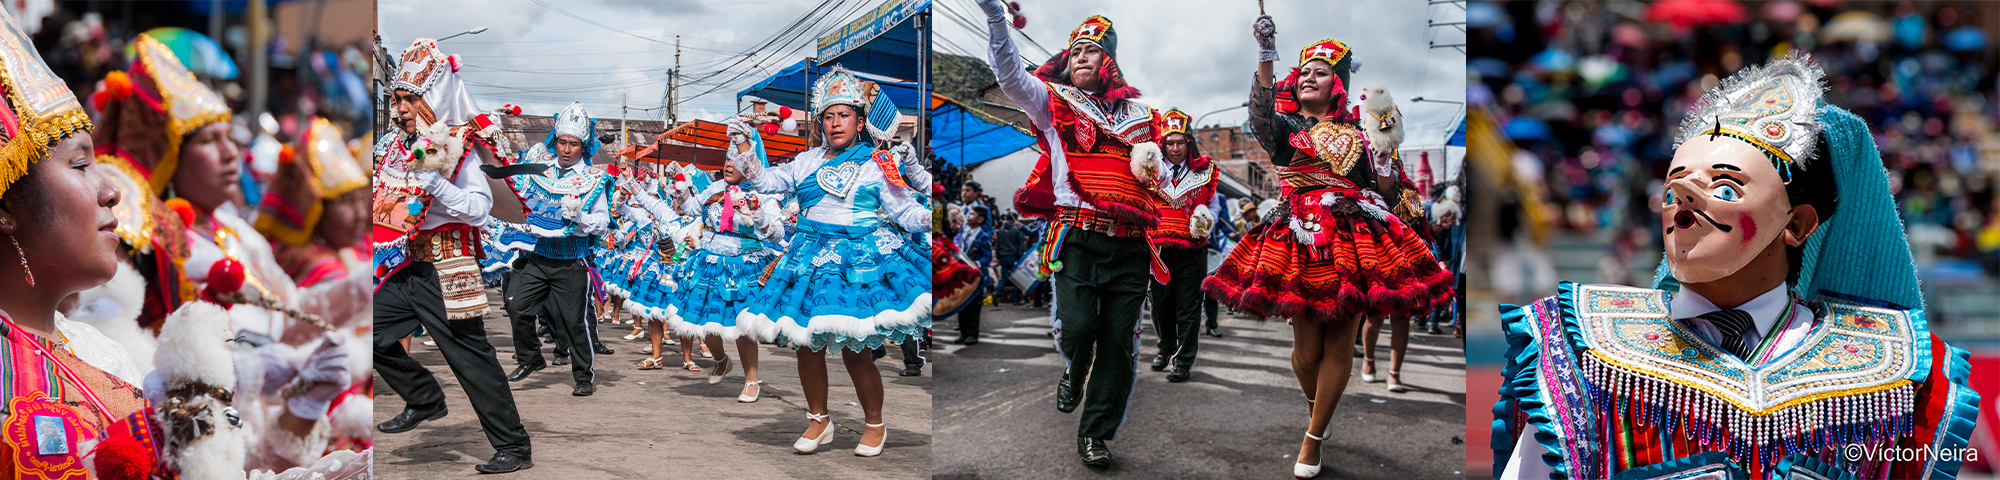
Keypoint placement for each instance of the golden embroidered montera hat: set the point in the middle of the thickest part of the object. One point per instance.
(40, 108)
(1330, 50)
(315, 168)
(149, 109)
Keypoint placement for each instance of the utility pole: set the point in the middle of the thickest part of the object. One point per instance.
(674, 86)
(624, 108)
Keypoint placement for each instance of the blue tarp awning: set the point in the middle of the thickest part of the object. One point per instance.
(959, 138)
(789, 86)
(1456, 137)
(883, 41)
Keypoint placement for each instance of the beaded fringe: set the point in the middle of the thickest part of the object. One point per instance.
(1815, 426)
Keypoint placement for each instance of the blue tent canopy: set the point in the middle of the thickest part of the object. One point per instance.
(789, 86)
(959, 138)
(883, 41)
(1456, 137)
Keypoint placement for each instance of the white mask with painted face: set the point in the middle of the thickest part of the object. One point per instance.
(1725, 204)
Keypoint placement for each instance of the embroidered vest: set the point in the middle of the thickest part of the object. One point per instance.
(1096, 144)
(1178, 199)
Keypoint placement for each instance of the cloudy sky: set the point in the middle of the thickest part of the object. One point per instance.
(540, 58)
(1198, 55)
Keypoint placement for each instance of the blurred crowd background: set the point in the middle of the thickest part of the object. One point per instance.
(1571, 109)
(277, 62)
(1572, 103)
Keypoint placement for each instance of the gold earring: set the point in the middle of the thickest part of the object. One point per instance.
(24, 260)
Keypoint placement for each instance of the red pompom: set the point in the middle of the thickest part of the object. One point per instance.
(116, 86)
(226, 276)
(516, 109)
(1014, 7)
(453, 59)
(768, 128)
(784, 112)
(1020, 21)
(122, 457)
(611, 170)
(680, 177)
(181, 207)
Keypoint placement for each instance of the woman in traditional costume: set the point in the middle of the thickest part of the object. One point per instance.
(848, 282)
(1337, 251)
(740, 234)
(72, 404)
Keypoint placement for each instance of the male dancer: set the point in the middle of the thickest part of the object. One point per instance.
(428, 210)
(1182, 239)
(1099, 159)
(570, 206)
(1784, 333)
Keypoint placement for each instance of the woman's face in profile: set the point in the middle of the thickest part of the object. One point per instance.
(63, 218)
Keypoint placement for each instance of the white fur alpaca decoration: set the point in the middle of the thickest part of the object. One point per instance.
(1382, 124)
(203, 434)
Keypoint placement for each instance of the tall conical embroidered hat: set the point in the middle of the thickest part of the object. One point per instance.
(40, 108)
(149, 110)
(319, 167)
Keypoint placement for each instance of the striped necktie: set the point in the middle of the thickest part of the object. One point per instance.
(1733, 324)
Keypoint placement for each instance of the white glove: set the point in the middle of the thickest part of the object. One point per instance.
(996, 11)
(431, 181)
(324, 375)
(904, 154)
(739, 129)
(1266, 34)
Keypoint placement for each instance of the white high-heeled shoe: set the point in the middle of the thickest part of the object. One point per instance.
(751, 398)
(1300, 469)
(1395, 382)
(807, 445)
(722, 367)
(863, 450)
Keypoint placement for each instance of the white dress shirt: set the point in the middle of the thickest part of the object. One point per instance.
(1033, 97)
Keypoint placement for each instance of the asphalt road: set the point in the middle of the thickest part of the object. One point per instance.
(663, 423)
(1240, 416)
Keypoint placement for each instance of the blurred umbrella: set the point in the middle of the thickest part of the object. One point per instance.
(1855, 26)
(1489, 67)
(1628, 34)
(1555, 60)
(1526, 129)
(1696, 12)
(197, 52)
(1601, 69)
(1483, 14)
(1965, 39)
(1785, 11)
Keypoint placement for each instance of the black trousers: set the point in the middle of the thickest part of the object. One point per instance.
(557, 291)
(1098, 294)
(411, 298)
(968, 317)
(1177, 304)
(913, 355)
